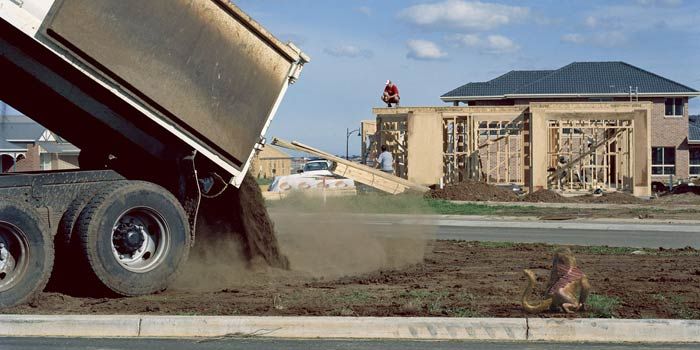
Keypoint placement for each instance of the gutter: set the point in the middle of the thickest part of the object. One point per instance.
(507, 96)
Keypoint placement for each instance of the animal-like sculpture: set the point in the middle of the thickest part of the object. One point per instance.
(568, 286)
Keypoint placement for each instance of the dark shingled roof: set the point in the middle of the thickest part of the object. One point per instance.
(694, 130)
(502, 85)
(576, 78)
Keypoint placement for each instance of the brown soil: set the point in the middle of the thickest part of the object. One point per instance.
(688, 198)
(545, 196)
(610, 198)
(457, 279)
(473, 191)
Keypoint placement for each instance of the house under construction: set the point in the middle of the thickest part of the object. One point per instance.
(587, 125)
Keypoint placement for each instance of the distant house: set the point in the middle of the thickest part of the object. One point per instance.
(271, 162)
(27, 146)
(694, 145)
(673, 148)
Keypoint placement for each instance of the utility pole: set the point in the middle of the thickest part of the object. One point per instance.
(347, 140)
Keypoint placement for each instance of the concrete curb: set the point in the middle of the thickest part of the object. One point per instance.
(584, 205)
(608, 330)
(419, 328)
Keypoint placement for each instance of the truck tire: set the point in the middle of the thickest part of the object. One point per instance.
(134, 238)
(26, 255)
(69, 219)
(64, 277)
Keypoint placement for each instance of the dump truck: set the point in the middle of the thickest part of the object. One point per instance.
(168, 101)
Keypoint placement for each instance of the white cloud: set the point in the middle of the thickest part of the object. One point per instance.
(365, 10)
(609, 39)
(460, 14)
(492, 44)
(350, 51)
(573, 38)
(424, 50)
(500, 44)
(602, 39)
(591, 22)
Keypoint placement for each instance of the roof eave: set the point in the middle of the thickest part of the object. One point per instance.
(471, 98)
(508, 96)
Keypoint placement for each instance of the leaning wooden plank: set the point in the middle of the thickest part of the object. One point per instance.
(358, 172)
(360, 166)
(369, 179)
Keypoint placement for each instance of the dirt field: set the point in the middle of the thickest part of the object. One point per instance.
(466, 279)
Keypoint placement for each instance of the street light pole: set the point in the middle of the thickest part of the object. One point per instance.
(347, 140)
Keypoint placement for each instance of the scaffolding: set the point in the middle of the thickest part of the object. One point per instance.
(392, 132)
(589, 154)
(490, 149)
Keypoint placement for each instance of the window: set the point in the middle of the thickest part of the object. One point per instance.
(663, 161)
(695, 161)
(674, 106)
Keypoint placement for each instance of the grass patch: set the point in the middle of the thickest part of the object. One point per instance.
(442, 303)
(601, 306)
(380, 203)
(463, 312)
(448, 208)
(605, 250)
(433, 301)
(355, 297)
(370, 203)
(497, 245)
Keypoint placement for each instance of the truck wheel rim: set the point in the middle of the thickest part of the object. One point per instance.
(140, 239)
(14, 255)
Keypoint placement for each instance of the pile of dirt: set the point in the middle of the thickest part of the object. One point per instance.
(688, 198)
(545, 196)
(241, 215)
(609, 198)
(473, 191)
(686, 188)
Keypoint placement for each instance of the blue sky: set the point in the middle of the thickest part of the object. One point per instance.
(431, 47)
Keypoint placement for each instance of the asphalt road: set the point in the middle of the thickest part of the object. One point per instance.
(594, 232)
(276, 344)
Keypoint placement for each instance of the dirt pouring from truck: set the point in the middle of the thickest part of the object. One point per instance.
(125, 222)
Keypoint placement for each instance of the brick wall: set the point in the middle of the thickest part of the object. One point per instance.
(670, 132)
(31, 162)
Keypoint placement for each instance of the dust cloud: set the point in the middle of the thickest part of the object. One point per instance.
(315, 239)
(328, 241)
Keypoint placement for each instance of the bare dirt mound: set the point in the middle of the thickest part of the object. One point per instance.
(473, 191)
(610, 198)
(686, 188)
(684, 198)
(545, 196)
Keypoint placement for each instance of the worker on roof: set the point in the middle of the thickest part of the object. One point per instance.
(391, 94)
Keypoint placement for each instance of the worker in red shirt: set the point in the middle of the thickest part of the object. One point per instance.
(391, 94)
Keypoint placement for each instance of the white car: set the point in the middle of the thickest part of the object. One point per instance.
(314, 176)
